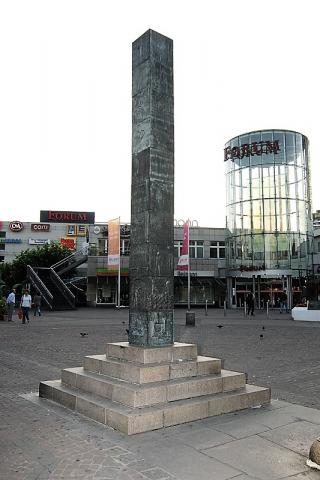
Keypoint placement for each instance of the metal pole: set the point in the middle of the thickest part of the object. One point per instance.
(188, 270)
(224, 308)
(119, 267)
(119, 281)
(267, 308)
(206, 307)
(245, 308)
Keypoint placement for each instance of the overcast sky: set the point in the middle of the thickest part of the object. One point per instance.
(65, 97)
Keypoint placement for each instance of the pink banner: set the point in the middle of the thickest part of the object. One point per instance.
(183, 262)
(114, 244)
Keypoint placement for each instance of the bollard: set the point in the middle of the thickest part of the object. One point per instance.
(190, 319)
(206, 308)
(224, 308)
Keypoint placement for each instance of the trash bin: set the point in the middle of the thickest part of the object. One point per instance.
(190, 319)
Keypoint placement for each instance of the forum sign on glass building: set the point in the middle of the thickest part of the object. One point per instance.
(269, 215)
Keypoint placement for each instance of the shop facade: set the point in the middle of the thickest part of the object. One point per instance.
(207, 267)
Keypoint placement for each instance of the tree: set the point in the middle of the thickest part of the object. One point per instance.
(44, 256)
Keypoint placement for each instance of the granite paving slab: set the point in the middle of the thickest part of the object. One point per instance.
(187, 463)
(259, 458)
(297, 436)
(242, 427)
(203, 438)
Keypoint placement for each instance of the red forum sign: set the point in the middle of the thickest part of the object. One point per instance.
(66, 216)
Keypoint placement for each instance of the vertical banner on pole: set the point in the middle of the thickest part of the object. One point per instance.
(114, 250)
(183, 262)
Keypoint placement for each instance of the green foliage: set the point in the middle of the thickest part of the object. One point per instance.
(3, 306)
(44, 256)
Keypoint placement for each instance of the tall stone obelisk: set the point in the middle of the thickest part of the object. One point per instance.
(152, 192)
(141, 396)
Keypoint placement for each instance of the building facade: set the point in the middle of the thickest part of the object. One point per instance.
(266, 247)
(207, 267)
(269, 216)
(207, 252)
(17, 236)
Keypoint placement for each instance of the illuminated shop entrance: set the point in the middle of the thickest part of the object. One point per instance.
(266, 291)
(203, 290)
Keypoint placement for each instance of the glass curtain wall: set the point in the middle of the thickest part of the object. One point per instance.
(269, 219)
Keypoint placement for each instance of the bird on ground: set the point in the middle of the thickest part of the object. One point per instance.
(261, 336)
(83, 334)
(219, 326)
(263, 327)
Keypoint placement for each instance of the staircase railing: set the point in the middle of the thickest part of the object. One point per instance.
(40, 286)
(74, 259)
(59, 283)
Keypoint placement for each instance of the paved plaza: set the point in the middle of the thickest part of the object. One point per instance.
(41, 440)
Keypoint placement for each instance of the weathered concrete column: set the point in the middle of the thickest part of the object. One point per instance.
(152, 192)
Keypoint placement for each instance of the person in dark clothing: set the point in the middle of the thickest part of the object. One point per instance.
(250, 303)
(37, 304)
(283, 303)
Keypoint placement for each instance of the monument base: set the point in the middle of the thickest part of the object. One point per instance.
(138, 389)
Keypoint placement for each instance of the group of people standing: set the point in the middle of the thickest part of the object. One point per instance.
(26, 303)
(250, 299)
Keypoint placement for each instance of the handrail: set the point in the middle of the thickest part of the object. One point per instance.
(68, 295)
(36, 280)
(66, 260)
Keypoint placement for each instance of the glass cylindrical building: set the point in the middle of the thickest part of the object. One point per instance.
(269, 215)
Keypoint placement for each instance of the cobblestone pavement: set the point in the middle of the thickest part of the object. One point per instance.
(40, 440)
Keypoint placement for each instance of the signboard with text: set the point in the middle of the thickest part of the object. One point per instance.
(40, 227)
(66, 216)
(68, 242)
(39, 241)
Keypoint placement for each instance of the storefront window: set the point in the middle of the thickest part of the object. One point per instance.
(125, 246)
(177, 248)
(217, 249)
(196, 249)
(2, 241)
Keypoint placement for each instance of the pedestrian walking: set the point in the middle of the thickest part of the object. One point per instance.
(11, 301)
(37, 304)
(283, 303)
(25, 305)
(250, 303)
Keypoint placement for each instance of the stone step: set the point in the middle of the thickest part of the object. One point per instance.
(173, 353)
(131, 421)
(135, 395)
(148, 373)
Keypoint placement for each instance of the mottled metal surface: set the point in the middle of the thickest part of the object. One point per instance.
(152, 192)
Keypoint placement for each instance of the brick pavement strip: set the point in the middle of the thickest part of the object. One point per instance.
(46, 442)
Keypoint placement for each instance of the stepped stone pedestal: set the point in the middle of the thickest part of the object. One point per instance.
(136, 389)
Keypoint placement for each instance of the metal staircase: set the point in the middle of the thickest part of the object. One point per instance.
(48, 282)
(71, 262)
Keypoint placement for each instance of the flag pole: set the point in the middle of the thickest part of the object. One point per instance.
(119, 269)
(188, 273)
